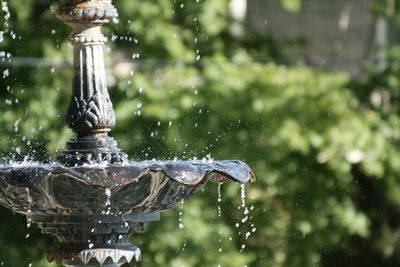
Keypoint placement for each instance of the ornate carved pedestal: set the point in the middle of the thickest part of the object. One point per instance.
(90, 113)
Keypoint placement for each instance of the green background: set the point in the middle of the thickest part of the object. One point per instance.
(326, 156)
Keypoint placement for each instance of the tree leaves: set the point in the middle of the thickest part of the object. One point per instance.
(291, 5)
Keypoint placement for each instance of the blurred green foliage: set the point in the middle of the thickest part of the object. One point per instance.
(325, 148)
(291, 5)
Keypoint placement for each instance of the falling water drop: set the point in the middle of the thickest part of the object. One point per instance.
(246, 215)
(16, 126)
(180, 219)
(243, 195)
(248, 235)
(184, 245)
(6, 73)
(219, 200)
(29, 211)
(7, 15)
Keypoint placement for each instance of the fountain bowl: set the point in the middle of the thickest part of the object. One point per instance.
(95, 208)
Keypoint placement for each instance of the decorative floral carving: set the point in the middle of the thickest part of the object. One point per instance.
(95, 115)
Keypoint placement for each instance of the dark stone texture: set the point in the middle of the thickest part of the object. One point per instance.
(87, 150)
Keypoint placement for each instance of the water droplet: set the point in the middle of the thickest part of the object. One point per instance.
(248, 235)
(108, 192)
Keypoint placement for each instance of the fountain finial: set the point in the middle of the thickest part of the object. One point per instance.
(83, 11)
(90, 113)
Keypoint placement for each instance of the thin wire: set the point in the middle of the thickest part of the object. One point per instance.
(47, 62)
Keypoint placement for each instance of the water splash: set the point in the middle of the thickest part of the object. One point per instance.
(107, 192)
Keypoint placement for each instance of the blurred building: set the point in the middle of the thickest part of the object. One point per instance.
(337, 35)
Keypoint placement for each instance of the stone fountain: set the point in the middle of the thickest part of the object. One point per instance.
(92, 198)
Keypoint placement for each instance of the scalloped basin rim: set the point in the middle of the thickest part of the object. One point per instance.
(109, 175)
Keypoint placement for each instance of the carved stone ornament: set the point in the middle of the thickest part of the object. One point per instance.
(90, 111)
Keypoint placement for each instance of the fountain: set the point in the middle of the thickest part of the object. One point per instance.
(92, 198)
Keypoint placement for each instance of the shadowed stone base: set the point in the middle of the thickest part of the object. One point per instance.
(89, 150)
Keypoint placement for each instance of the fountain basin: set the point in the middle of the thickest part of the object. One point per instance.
(95, 208)
(130, 188)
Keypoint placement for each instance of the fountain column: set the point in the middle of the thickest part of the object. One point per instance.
(90, 113)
